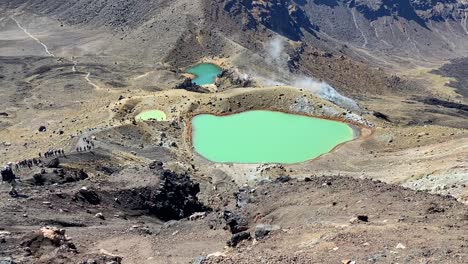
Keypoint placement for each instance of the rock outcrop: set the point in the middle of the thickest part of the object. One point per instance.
(174, 198)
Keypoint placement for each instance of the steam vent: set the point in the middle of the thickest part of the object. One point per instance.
(233, 132)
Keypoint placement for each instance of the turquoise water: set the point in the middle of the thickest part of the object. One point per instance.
(266, 137)
(205, 73)
(157, 115)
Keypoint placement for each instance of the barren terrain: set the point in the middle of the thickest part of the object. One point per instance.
(76, 73)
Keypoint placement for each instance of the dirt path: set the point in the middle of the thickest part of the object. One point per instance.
(142, 76)
(359, 29)
(86, 77)
(46, 49)
(49, 53)
(88, 80)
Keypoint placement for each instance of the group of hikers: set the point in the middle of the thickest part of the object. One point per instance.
(8, 172)
(53, 153)
(27, 163)
(89, 144)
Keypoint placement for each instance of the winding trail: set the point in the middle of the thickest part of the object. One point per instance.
(33, 37)
(378, 36)
(142, 76)
(86, 77)
(88, 74)
(74, 66)
(359, 29)
(97, 87)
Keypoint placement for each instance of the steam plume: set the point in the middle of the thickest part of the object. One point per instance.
(276, 56)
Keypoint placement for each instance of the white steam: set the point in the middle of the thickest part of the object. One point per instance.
(325, 91)
(276, 56)
(275, 48)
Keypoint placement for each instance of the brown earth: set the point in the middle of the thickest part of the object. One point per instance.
(84, 70)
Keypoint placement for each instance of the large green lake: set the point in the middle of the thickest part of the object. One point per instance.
(205, 73)
(266, 137)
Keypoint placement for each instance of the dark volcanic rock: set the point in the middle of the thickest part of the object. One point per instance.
(87, 195)
(235, 222)
(435, 208)
(285, 17)
(175, 197)
(443, 103)
(363, 218)
(53, 163)
(242, 197)
(381, 116)
(59, 176)
(261, 231)
(283, 179)
(190, 86)
(237, 238)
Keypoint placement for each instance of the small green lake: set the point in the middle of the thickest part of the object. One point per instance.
(266, 137)
(157, 115)
(205, 73)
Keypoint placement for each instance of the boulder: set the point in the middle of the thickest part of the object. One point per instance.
(87, 195)
(237, 238)
(100, 216)
(283, 179)
(235, 222)
(174, 198)
(381, 116)
(359, 218)
(46, 240)
(261, 231)
(53, 163)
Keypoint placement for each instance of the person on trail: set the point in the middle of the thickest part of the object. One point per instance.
(9, 176)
